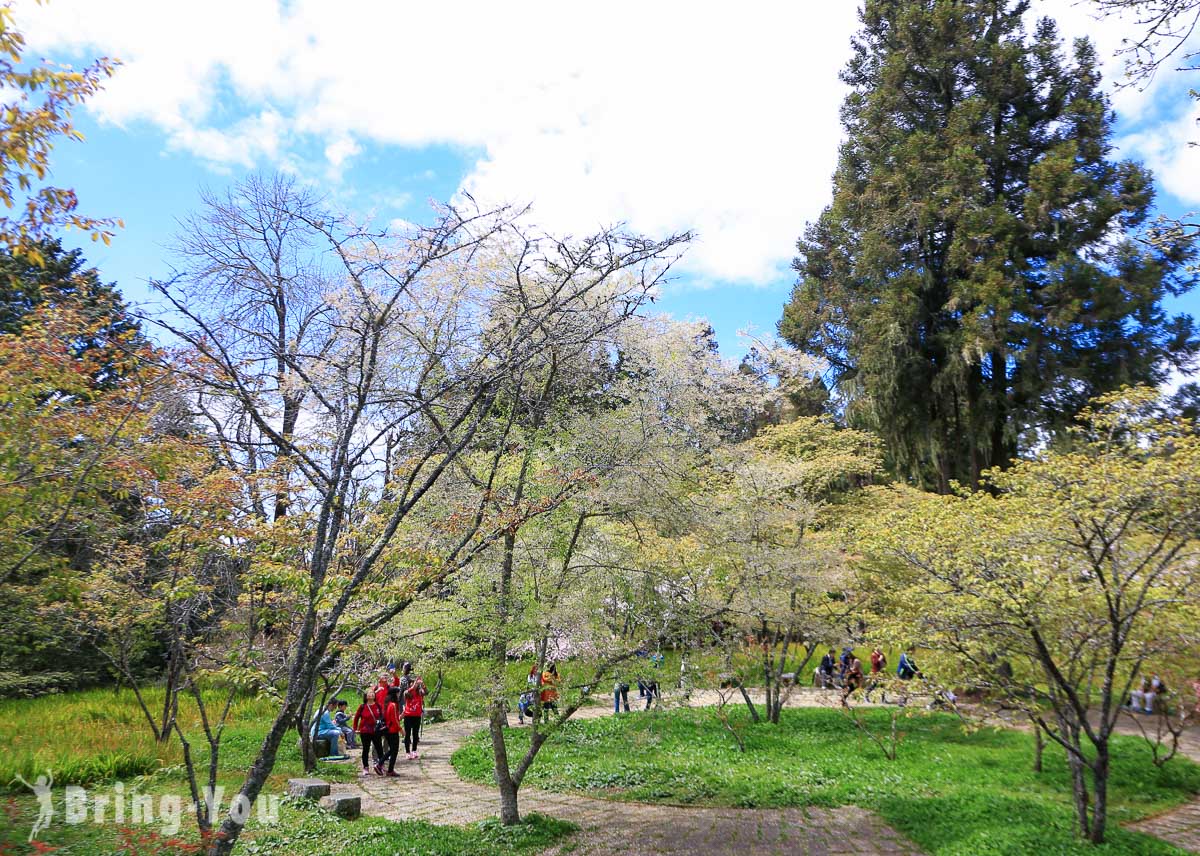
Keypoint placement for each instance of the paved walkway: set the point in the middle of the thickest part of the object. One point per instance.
(1180, 826)
(429, 789)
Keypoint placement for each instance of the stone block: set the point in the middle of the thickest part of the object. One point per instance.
(308, 789)
(343, 805)
(434, 714)
(320, 747)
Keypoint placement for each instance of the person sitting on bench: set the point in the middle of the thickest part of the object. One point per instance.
(324, 729)
(341, 720)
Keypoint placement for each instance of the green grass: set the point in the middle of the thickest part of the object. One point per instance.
(97, 736)
(302, 830)
(321, 835)
(950, 791)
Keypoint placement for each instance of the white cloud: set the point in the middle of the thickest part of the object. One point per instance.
(668, 116)
(245, 143)
(1167, 149)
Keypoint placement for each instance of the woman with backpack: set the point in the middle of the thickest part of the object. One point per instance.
(414, 709)
(368, 723)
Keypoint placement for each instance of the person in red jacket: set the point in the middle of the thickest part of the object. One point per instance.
(368, 723)
(386, 682)
(391, 716)
(414, 708)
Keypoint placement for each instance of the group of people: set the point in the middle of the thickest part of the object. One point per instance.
(846, 671)
(1142, 700)
(390, 710)
(542, 693)
(647, 689)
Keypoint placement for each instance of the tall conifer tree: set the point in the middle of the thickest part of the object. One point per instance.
(978, 276)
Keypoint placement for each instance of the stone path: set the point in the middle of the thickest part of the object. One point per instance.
(1180, 826)
(429, 789)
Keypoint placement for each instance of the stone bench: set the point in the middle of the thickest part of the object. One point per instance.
(308, 789)
(343, 805)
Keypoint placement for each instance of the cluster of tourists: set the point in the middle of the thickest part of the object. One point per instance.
(846, 671)
(390, 712)
(542, 693)
(647, 690)
(1152, 688)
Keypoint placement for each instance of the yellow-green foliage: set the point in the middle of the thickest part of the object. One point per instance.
(1083, 559)
(99, 735)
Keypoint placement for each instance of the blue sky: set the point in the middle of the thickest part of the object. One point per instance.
(688, 118)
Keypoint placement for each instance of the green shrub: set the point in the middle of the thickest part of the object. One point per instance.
(16, 685)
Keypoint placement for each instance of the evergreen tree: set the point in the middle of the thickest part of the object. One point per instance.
(977, 276)
(62, 276)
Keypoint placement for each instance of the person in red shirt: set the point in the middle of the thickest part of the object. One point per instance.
(414, 708)
(368, 723)
(391, 717)
(386, 682)
(878, 664)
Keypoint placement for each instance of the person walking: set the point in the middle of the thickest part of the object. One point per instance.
(878, 664)
(621, 693)
(844, 663)
(391, 716)
(368, 722)
(906, 669)
(823, 677)
(549, 697)
(414, 709)
(853, 678)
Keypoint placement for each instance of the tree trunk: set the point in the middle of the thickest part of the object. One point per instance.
(749, 702)
(1039, 746)
(1099, 794)
(307, 750)
(170, 698)
(510, 814)
(1079, 792)
(223, 842)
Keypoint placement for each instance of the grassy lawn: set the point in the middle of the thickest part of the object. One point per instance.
(301, 830)
(97, 737)
(321, 835)
(951, 792)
